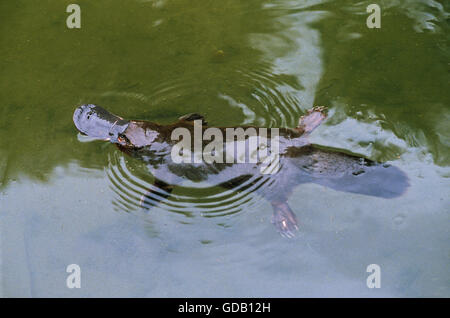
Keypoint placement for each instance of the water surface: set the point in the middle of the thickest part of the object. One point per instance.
(257, 62)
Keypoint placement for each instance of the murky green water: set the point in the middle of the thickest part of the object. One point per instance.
(63, 201)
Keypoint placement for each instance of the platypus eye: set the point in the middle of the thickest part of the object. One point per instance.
(122, 139)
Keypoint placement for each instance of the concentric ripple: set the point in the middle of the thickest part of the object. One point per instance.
(271, 96)
(132, 184)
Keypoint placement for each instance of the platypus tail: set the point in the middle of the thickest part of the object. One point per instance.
(284, 219)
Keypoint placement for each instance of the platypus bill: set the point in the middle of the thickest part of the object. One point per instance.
(299, 161)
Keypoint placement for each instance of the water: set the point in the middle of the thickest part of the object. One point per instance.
(64, 202)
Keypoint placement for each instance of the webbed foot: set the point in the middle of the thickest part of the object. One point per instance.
(192, 117)
(312, 119)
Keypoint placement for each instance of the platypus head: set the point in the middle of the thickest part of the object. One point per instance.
(98, 123)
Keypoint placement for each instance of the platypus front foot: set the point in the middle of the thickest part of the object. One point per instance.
(313, 118)
(284, 219)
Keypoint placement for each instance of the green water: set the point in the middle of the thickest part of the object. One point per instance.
(236, 62)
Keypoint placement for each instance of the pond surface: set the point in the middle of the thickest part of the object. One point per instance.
(63, 201)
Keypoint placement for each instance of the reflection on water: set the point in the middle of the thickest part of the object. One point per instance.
(254, 62)
(135, 190)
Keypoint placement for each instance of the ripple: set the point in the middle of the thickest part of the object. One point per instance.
(134, 191)
(271, 95)
(169, 90)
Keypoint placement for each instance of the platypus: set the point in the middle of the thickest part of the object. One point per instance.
(295, 161)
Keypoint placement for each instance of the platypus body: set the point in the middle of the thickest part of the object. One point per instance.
(297, 160)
